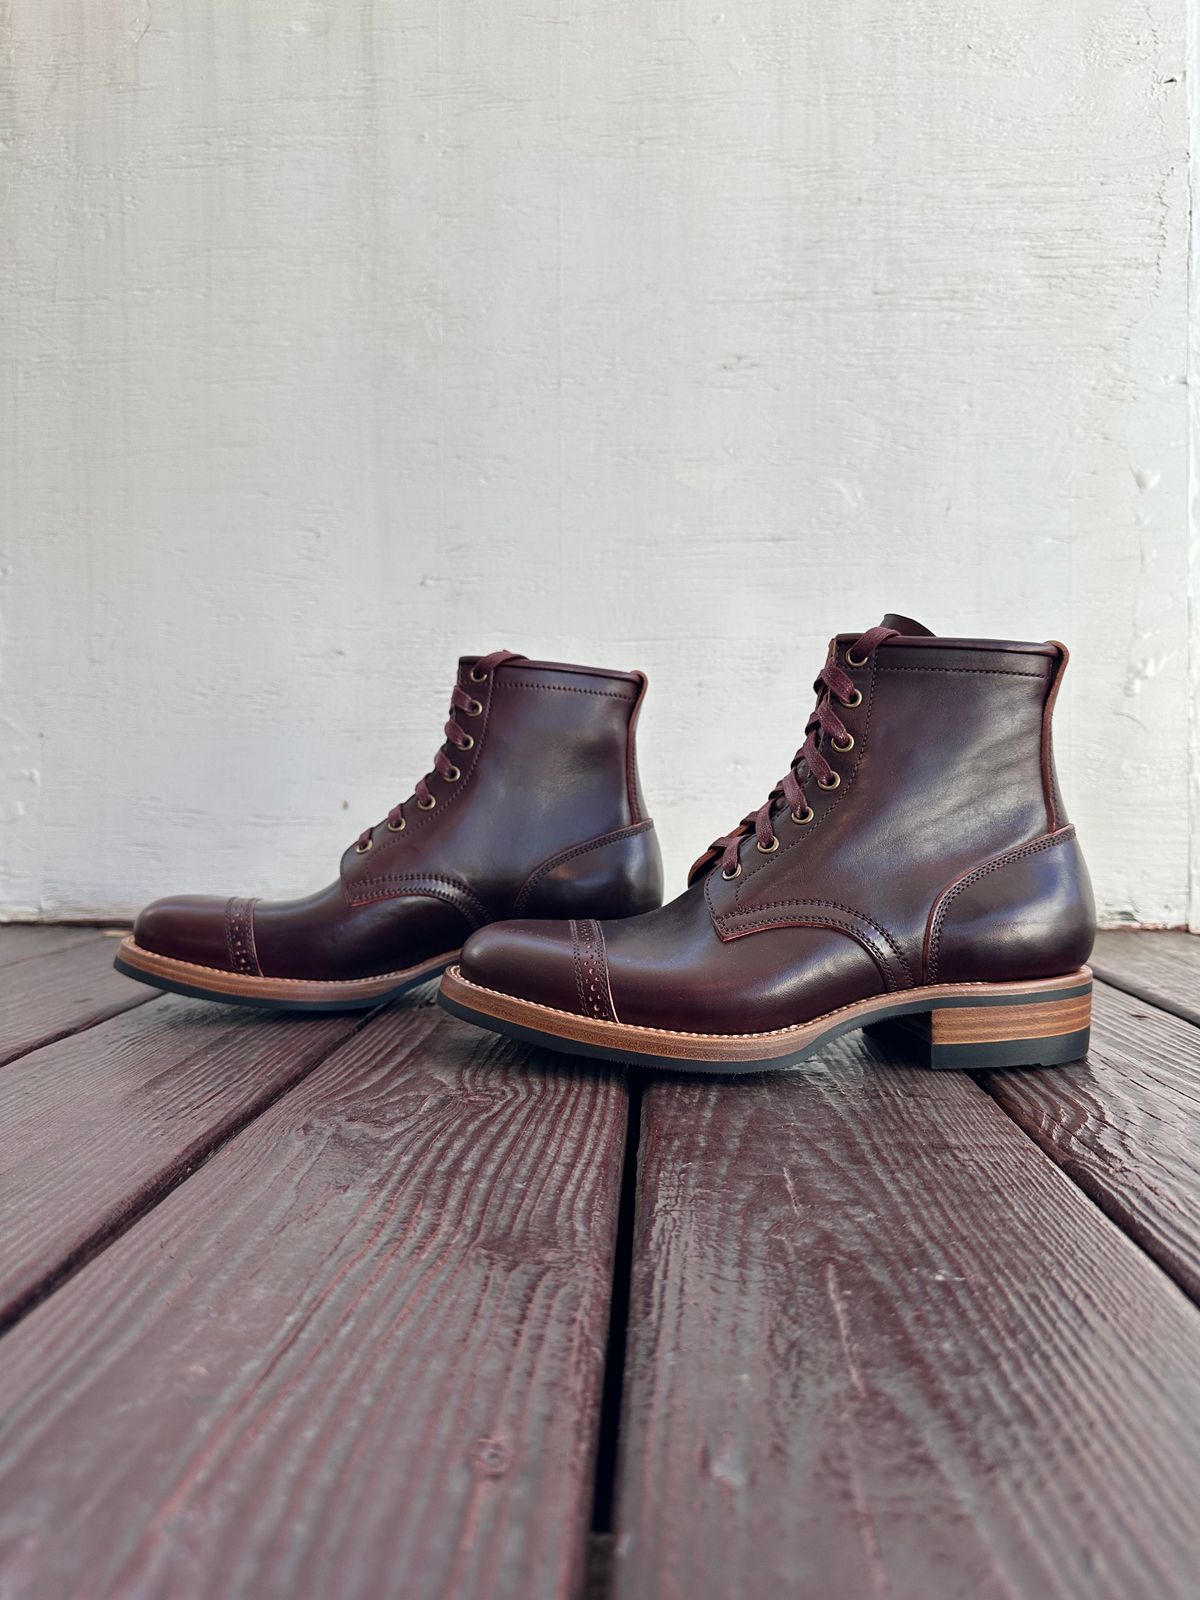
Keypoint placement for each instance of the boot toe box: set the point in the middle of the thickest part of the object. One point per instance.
(186, 928)
(528, 960)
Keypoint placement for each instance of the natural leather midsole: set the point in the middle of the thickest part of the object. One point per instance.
(631, 1037)
(220, 981)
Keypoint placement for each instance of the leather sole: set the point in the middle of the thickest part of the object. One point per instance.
(280, 994)
(1043, 1022)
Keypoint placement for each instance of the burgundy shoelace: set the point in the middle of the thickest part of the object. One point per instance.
(833, 686)
(457, 738)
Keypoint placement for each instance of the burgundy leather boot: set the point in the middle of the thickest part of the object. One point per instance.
(533, 807)
(915, 863)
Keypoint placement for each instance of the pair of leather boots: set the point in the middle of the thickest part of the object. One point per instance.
(914, 866)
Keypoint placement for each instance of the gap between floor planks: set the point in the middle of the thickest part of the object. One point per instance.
(60, 989)
(1162, 968)
(97, 1128)
(1004, 1089)
(1083, 1119)
(360, 1350)
(879, 1344)
(21, 941)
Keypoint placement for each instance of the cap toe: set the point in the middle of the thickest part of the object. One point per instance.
(186, 928)
(529, 960)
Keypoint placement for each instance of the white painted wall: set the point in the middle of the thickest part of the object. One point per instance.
(344, 337)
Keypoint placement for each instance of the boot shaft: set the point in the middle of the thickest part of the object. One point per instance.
(550, 771)
(950, 773)
(532, 806)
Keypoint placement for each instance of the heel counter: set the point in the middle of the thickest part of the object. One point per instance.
(617, 875)
(1028, 913)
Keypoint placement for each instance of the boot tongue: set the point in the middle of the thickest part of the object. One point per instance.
(906, 625)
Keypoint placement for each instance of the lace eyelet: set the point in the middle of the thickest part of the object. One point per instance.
(857, 700)
(421, 806)
(397, 827)
(853, 661)
(849, 744)
(453, 775)
(361, 849)
(467, 744)
(802, 817)
(475, 709)
(767, 849)
(736, 873)
(478, 677)
(832, 784)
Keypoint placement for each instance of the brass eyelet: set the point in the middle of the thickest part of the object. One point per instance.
(478, 677)
(421, 806)
(736, 873)
(803, 817)
(475, 709)
(849, 744)
(853, 661)
(832, 784)
(397, 827)
(361, 849)
(467, 744)
(767, 849)
(857, 700)
(453, 775)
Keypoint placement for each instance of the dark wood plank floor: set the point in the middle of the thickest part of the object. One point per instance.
(70, 986)
(379, 1305)
(1157, 967)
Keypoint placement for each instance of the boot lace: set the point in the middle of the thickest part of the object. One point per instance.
(457, 738)
(833, 687)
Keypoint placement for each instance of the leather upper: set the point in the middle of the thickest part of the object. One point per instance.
(547, 813)
(950, 772)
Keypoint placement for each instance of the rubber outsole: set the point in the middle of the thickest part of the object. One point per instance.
(1030, 1024)
(272, 994)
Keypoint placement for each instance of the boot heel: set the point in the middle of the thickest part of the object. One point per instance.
(1034, 1032)
(1039, 1029)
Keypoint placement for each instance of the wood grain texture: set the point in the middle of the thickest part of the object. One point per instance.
(23, 941)
(60, 993)
(1123, 1124)
(880, 1346)
(1162, 968)
(357, 1355)
(92, 1128)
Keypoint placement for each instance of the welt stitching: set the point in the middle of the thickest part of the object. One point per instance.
(935, 938)
(980, 988)
(835, 905)
(538, 873)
